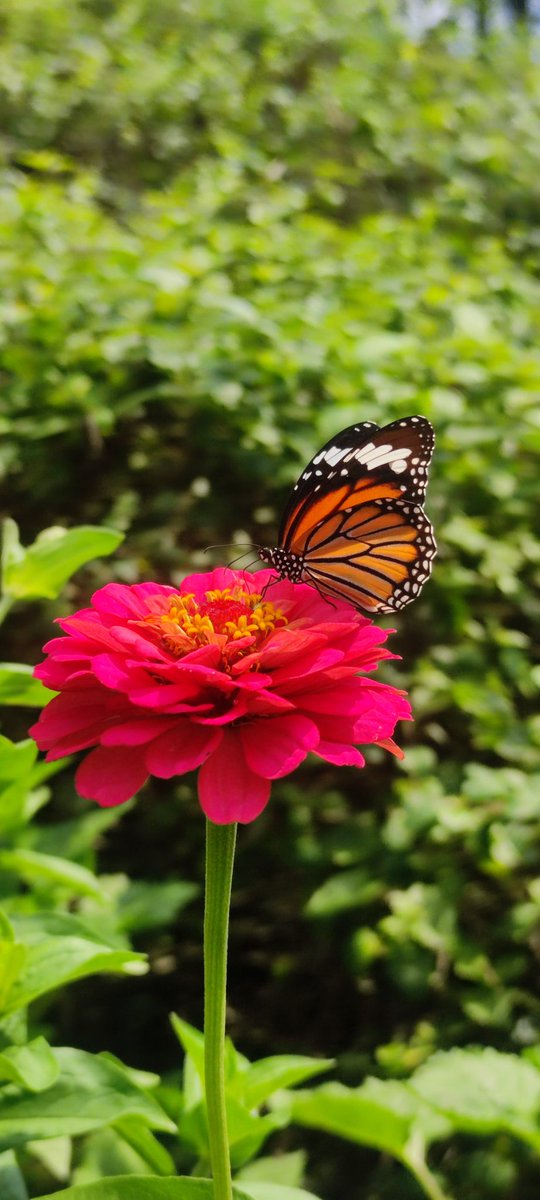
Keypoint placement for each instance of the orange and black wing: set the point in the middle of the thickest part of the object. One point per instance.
(355, 517)
(376, 554)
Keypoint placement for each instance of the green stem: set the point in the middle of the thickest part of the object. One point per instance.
(220, 843)
(419, 1168)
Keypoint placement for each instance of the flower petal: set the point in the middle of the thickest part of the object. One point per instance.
(276, 746)
(111, 775)
(181, 749)
(228, 790)
(137, 731)
(340, 754)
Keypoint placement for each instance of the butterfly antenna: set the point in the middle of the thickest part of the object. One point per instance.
(239, 557)
(223, 546)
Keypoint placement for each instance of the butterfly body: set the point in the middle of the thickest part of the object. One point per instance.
(354, 526)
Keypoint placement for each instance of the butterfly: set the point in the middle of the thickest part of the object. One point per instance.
(354, 526)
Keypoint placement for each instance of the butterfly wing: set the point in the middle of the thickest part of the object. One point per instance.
(355, 516)
(377, 554)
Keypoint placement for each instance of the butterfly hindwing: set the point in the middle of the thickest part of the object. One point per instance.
(378, 557)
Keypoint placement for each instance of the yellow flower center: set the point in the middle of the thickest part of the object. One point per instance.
(223, 618)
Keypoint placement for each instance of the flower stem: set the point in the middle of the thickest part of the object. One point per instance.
(220, 843)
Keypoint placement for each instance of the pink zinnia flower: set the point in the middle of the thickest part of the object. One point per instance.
(213, 675)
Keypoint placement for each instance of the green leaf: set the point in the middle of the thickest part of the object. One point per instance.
(382, 1114)
(146, 905)
(132, 1187)
(280, 1168)
(129, 1187)
(12, 552)
(60, 948)
(12, 1185)
(483, 1091)
(253, 1085)
(350, 889)
(44, 568)
(105, 1153)
(275, 1191)
(16, 759)
(141, 1140)
(89, 1093)
(18, 686)
(33, 1066)
(13, 957)
(36, 868)
(55, 1154)
(192, 1042)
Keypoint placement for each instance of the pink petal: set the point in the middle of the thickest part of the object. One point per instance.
(267, 704)
(128, 600)
(90, 633)
(348, 698)
(341, 755)
(290, 646)
(228, 790)
(137, 731)
(75, 715)
(111, 775)
(293, 675)
(181, 749)
(275, 746)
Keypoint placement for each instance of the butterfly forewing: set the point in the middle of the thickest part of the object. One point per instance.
(320, 475)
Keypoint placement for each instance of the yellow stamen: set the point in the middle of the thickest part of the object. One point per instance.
(224, 617)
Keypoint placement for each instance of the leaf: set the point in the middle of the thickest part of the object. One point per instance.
(275, 1191)
(55, 1154)
(90, 1092)
(382, 1114)
(130, 1187)
(33, 1066)
(44, 568)
(192, 1041)
(349, 889)
(144, 905)
(259, 1080)
(18, 686)
(38, 868)
(13, 957)
(483, 1091)
(280, 1168)
(12, 1185)
(140, 1139)
(60, 948)
(16, 758)
(104, 1153)
(145, 1187)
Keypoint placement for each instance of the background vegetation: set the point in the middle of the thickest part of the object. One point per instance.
(228, 230)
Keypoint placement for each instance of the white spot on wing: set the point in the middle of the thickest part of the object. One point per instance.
(332, 456)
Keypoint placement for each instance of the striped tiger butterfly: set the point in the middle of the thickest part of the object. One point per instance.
(354, 526)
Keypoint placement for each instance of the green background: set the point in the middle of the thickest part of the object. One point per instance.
(227, 231)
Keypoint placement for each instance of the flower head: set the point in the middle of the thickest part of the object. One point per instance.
(226, 674)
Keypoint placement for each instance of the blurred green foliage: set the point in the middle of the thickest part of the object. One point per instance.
(226, 231)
